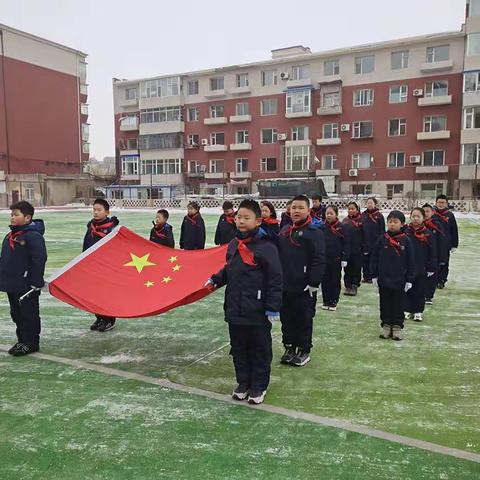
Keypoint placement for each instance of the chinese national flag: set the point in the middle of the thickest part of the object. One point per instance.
(125, 275)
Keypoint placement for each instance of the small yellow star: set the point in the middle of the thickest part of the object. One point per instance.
(166, 279)
(172, 259)
(139, 262)
(149, 284)
(176, 268)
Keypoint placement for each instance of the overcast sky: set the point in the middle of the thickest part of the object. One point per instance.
(140, 38)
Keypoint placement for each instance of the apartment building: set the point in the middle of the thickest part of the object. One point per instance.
(395, 119)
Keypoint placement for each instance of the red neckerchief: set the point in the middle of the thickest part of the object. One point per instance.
(230, 219)
(392, 241)
(430, 224)
(373, 215)
(292, 228)
(12, 238)
(245, 253)
(316, 213)
(270, 221)
(356, 221)
(335, 228)
(193, 219)
(419, 233)
(95, 228)
(158, 230)
(441, 214)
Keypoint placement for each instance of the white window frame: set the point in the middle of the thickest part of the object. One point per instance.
(430, 88)
(241, 165)
(241, 80)
(396, 160)
(300, 72)
(404, 57)
(429, 123)
(264, 164)
(214, 165)
(330, 130)
(191, 139)
(195, 117)
(132, 160)
(433, 53)
(331, 67)
(216, 82)
(195, 90)
(217, 111)
(359, 160)
(402, 123)
(242, 108)
(273, 134)
(265, 75)
(241, 136)
(360, 67)
(470, 117)
(298, 154)
(364, 97)
(299, 101)
(475, 79)
(357, 129)
(128, 96)
(272, 101)
(329, 161)
(214, 140)
(401, 96)
(300, 132)
(434, 163)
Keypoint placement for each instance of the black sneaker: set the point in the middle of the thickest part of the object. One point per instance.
(96, 324)
(288, 355)
(11, 350)
(240, 393)
(301, 358)
(106, 325)
(428, 301)
(354, 291)
(256, 398)
(24, 349)
(441, 285)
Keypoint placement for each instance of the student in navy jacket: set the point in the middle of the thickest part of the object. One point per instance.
(226, 228)
(253, 298)
(269, 221)
(393, 270)
(162, 232)
(302, 253)
(373, 225)
(353, 228)
(337, 252)
(286, 218)
(22, 265)
(451, 233)
(317, 211)
(97, 228)
(192, 234)
(425, 249)
(435, 225)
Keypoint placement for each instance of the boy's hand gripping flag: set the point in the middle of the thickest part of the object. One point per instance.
(125, 275)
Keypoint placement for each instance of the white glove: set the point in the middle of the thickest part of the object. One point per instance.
(452, 250)
(311, 290)
(430, 274)
(273, 316)
(375, 282)
(35, 289)
(344, 264)
(209, 284)
(408, 286)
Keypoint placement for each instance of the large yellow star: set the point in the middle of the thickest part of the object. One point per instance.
(139, 262)
(176, 268)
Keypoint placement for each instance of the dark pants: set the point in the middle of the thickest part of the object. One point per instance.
(296, 315)
(415, 297)
(251, 349)
(431, 286)
(331, 283)
(443, 270)
(392, 302)
(26, 316)
(107, 319)
(353, 271)
(366, 267)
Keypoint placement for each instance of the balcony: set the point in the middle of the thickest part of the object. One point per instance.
(333, 110)
(432, 169)
(301, 82)
(131, 102)
(83, 89)
(240, 118)
(433, 101)
(470, 135)
(215, 121)
(161, 127)
(471, 99)
(328, 173)
(196, 174)
(326, 79)
(439, 135)
(298, 143)
(216, 93)
(125, 152)
(469, 172)
(129, 124)
(298, 114)
(240, 174)
(215, 175)
(215, 148)
(443, 66)
(240, 146)
(241, 90)
(329, 141)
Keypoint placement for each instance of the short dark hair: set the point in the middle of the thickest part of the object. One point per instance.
(269, 205)
(355, 204)
(25, 207)
(301, 198)
(194, 205)
(227, 205)
(396, 214)
(418, 209)
(427, 205)
(334, 208)
(317, 197)
(442, 197)
(289, 203)
(164, 212)
(251, 205)
(375, 201)
(103, 203)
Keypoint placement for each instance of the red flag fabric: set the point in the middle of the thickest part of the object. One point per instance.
(124, 275)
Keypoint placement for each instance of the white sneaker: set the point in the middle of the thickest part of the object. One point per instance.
(324, 307)
(417, 317)
(408, 316)
(332, 308)
(256, 398)
(240, 393)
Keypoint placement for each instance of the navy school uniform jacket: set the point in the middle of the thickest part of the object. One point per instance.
(450, 228)
(435, 225)
(251, 290)
(354, 231)
(23, 258)
(271, 229)
(226, 230)
(285, 220)
(97, 230)
(393, 261)
(373, 225)
(425, 249)
(302, 253)
(337, 247)
(192, 234)
(318, 213)
(162, 235)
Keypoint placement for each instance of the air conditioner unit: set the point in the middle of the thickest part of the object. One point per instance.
(418, 92)
(284, 75)
(415, 158)
(345, 127)
(204, 141)
(353, 172)
(282, 136)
